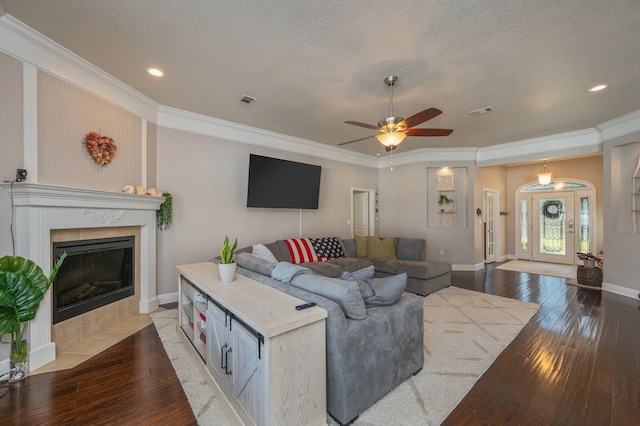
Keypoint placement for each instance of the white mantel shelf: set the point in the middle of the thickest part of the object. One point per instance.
(40, 208)
(36, 194)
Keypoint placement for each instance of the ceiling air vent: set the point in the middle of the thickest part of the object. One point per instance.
(247, 100)
(480, 111)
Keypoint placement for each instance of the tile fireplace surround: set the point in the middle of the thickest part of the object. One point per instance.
(40, 209)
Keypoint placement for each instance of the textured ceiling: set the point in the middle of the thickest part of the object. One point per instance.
(314, 64)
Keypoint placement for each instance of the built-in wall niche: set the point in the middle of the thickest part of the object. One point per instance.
(446, 197)
(625, 187)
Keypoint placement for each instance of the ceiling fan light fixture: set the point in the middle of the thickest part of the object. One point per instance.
(391, 138)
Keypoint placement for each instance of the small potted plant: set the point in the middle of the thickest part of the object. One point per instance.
(22, 288)
(227, 266)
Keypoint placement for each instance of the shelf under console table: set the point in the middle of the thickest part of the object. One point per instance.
(267, 358)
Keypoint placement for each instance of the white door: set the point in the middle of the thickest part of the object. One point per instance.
(489, 227)
(361, 213)
(553, 227)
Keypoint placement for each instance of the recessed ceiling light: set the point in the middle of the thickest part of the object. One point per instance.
(155, 72)
(598, 88)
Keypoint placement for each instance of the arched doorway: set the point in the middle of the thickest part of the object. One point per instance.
(555, 221)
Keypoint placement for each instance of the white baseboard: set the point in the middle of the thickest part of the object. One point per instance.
(164, 299)
(622, 291)
(464, 267)
(4, 367)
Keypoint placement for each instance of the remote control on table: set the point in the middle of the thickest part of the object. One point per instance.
(305, 306)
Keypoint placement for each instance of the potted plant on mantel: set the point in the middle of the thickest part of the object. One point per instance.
(22, 288)
(227, 266)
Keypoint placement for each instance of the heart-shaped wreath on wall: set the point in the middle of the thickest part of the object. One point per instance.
(101, 148)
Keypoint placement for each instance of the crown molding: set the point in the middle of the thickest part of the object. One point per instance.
(620, 126)
(28, 45)
(579, 142)
(178, 119)
(423, 155)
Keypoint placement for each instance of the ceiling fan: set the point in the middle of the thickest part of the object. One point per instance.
(395, 129)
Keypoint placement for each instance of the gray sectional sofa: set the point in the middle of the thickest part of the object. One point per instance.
(423, 276)
(366, 357)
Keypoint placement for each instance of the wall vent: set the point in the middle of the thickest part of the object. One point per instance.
(247, 100)
(480, 111)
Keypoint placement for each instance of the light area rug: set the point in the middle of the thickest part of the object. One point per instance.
(464, 333)
(540, 268)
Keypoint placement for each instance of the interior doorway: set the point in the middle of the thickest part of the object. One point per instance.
(555, 221)
(362, 212)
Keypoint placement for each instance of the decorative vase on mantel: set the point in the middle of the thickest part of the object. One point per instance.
(227, 272)
(19, 356)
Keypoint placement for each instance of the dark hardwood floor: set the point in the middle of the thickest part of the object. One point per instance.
(577, 362)
(131, 383)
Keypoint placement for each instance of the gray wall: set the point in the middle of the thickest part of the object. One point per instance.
(10, 139)
(403, 211)
(621, 245)
(208, 180)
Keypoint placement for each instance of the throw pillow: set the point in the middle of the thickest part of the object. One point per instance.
(361, 245)
(383, 291)
(264, 253)
(256, 264)
(344, 293)
(360, 274)
(301, 250)
(327, 248)
(381, 249)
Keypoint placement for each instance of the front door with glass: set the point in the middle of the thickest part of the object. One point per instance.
(553, 227)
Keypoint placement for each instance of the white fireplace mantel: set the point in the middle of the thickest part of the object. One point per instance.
(40, 208)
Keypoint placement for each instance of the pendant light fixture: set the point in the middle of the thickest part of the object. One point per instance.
(544, 177)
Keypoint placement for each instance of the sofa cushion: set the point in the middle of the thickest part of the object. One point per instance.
(411, 248)
(262, 251)
(381, 249)
(361, 245)
(349, 247)
(301, 250)
(327, 269)
(361, 274)
(256, 264)
(383, 291)
(423, 270)
(352, 263)
(327, 248)
(344, 293)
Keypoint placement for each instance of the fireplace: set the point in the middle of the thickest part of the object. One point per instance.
(95, 273)
(48, 213)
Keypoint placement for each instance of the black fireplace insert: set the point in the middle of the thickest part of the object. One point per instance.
(95, 273)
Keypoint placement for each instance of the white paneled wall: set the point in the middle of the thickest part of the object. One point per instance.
(65, 114)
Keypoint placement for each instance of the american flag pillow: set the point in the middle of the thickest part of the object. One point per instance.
(327, 248)
(301, 250)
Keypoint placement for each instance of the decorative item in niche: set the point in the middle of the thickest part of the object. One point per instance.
(101, 148)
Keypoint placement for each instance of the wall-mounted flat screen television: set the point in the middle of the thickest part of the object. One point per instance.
(276, 183)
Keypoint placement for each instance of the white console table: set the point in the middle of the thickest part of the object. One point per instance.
(267, 358)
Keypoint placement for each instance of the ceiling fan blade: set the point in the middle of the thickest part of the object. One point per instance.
(429, 132)
(420, 117)
(356, 140)
(359, 124)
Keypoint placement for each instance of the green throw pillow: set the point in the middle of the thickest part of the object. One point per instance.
(361, 246)
(381, 249)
